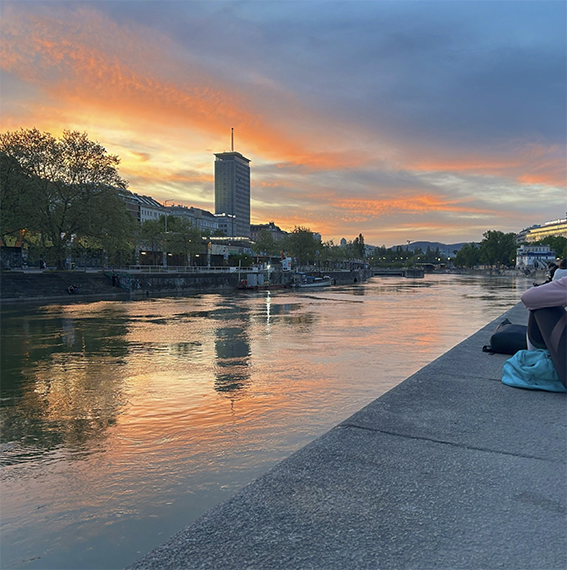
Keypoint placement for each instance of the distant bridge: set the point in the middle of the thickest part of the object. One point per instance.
(401, 272)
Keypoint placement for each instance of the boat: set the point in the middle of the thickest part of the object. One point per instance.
(303, 281)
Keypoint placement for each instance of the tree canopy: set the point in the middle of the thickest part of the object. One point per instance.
(266, 244)
(498, 248)
(16, 187)
(183, 238)
(558, 244)
(468, 255)
(301, 244)
(63, 190)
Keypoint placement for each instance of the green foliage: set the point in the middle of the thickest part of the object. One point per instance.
(183, 238)
(302, 245)
(265, 244)
(242, 260)
(498, 248)
(151, 234)
(468, 256)
(358, 246)
(558, 244)
(16, 187)
(65, 189)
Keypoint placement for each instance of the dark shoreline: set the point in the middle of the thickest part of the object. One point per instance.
(21, 287)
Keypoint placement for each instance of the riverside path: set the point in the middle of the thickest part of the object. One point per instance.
(451, 469)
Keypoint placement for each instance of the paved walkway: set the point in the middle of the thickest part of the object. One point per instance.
(449, 470)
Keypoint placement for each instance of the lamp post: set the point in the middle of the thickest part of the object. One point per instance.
(164, 260)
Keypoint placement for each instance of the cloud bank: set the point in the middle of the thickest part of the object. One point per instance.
(398, 120)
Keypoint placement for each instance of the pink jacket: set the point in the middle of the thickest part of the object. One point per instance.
(552, 294)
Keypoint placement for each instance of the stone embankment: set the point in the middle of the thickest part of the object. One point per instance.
(449, 470)
(41, 286)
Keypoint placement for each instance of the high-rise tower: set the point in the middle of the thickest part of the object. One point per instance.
(232, 189)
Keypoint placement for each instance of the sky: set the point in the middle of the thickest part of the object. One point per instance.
(423, 120)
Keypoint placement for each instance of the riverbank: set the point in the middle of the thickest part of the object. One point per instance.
(41, 286)
(450, 469)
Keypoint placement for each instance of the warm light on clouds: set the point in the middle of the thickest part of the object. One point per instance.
(337, 140)
(411, 204)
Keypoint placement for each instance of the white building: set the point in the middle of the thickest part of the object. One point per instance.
(142, 208)
(548, 229)
(534, 257)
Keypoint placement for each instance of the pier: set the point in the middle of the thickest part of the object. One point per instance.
(450, 469)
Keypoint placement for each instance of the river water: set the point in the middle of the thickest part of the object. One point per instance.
(123, 421)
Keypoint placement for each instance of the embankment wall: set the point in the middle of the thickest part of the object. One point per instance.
(41, 286)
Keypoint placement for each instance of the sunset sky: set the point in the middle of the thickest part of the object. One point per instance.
(398, 120)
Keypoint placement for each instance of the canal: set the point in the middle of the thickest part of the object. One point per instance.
(123, 421)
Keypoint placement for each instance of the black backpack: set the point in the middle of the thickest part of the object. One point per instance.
(507, 338)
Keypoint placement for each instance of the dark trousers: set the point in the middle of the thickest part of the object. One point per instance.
(547, 328)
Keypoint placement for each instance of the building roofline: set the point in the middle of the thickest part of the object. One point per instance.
(231, 153)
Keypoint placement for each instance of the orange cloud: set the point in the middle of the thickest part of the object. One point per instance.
(464, 165)
(89, 64)
(411, 204)
(533, 164)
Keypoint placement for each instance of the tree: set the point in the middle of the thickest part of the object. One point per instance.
(151, 236)
(183, 238)
(558, 244)
(358, 244)
(72, 190)
(498, 248)
(302, 245)
(15, 189)
(468, 256)
(266, 244)
(330, 254)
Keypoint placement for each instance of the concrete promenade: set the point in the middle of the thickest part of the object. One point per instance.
(449, 470)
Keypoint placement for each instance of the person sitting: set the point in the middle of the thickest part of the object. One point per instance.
(551, 269)
(561, 270)
(547, 323)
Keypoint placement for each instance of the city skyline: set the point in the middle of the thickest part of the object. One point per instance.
(402, 121)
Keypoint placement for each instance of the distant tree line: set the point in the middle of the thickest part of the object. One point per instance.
(64, 197)
(302, 245)
(498, 248)
(403, 256)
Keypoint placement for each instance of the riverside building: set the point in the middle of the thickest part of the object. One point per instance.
(539, 232)
(232, 192)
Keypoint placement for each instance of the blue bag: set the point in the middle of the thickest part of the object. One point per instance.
(532, 369)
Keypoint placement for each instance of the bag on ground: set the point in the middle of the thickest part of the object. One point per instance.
(507, 338)
(532, 369)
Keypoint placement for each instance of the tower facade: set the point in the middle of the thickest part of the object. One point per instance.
(232, 190)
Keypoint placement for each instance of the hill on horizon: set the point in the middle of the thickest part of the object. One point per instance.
(448, 249)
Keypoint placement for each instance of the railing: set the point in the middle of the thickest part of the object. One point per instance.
(176, 269)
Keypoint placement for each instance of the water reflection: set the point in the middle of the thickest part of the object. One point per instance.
(173, 404)
(232, 350)
(61, 386)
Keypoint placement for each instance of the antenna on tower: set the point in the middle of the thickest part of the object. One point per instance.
(232, 139)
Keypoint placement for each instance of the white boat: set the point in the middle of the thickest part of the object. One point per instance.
(309, 282)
